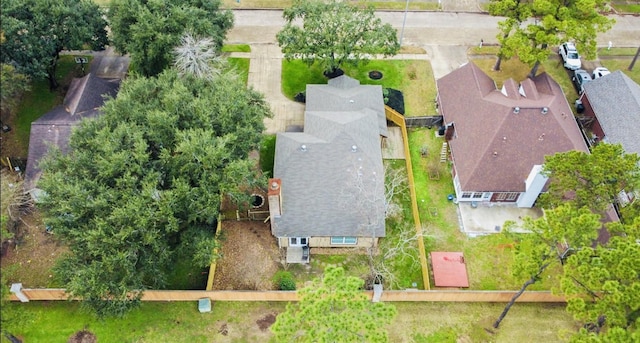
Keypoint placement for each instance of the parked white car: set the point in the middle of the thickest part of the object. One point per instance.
(600, 72)
(570, 56)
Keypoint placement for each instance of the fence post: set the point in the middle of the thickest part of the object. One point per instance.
(16, 289)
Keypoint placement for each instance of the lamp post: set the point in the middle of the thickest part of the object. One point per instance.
(404, 21)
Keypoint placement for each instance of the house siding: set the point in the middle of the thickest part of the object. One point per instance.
(589, 112)
(325, 242)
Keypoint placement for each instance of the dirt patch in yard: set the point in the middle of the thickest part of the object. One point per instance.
(250, 257)
(30, 261)
(265, 322)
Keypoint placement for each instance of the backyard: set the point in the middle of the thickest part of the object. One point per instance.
(241, 322)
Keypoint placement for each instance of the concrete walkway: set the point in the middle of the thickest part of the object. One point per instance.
(265, 76)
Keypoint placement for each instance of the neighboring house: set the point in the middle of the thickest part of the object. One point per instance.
(499, 137)
(613, 102)
(83, 100)
(328, 185)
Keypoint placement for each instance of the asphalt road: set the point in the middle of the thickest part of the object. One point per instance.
(422, 28)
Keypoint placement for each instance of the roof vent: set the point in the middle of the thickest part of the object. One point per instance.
(354, 148)
(544, 110)
(351, 101)
(495, 154)
(274, 185)
(516, 110)
(303, 147)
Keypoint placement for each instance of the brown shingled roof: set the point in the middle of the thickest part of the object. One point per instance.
(494, 148)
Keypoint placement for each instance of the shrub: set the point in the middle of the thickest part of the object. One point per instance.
(394, 99)
(284, 281)
(267, 154)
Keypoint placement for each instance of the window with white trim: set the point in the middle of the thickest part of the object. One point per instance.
(466, 195)
(298, 241)
(343, 240)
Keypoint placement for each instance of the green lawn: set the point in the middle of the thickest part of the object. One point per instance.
(236, 48)
(627, 8)
(623, 64)
(184, 275)
(241, 65)
(181, 322)
(267, 153)
(413, 77)
(615, 51)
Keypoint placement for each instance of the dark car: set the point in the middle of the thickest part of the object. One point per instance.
(580, 77)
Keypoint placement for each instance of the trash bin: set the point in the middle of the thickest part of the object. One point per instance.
(450, 197)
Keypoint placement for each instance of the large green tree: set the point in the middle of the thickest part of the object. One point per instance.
(143, 182)
(553, 237)
(36, 31)
(334, 33)
(602, 287)
(515, 13)
(334, 309)
(14, 85)
(552, 21)
(150, 30)
(591, 180)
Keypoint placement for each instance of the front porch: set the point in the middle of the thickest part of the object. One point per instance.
(298, 254)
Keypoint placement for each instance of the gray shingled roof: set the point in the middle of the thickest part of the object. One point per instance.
(346, 94)
(615, 100)
(494, 149)
(83, 100)
(321, 181)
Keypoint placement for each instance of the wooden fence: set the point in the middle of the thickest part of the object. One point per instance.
(212, 267)
(389, 296)
(398, 119)
(427, 121)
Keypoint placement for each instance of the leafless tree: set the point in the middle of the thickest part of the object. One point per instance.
(197, 56)
(364, 193)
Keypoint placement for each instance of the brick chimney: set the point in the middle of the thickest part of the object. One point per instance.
(275, 198)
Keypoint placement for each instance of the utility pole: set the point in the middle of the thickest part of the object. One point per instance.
(634, 59)
(404, 21)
